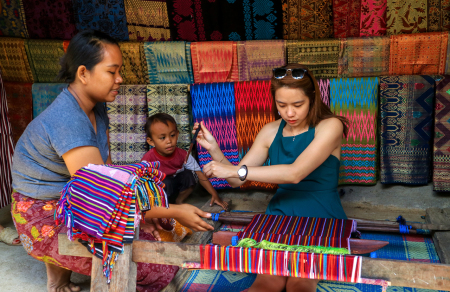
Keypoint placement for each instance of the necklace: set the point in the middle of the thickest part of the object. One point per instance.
(293, 136)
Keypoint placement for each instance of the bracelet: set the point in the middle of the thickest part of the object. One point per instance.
(222, 159)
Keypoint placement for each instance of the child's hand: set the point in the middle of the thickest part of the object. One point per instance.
(217, 200)
(190, 216)
(204, 137)
(152, 228)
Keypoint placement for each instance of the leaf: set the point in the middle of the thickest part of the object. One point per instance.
(419, 9)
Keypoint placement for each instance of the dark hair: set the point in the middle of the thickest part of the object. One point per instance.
(160, 117)
(318, 110)
(85, 48)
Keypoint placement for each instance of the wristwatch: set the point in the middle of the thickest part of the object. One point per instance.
(242, 172)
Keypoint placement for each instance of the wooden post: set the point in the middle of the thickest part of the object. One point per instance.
(441, 239)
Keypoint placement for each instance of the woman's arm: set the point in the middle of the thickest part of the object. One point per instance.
(108, 160)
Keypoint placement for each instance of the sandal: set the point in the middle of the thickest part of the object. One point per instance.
(8, 236)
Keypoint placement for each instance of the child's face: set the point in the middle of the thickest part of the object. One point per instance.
(164, 138)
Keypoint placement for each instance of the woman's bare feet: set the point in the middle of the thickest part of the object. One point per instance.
(58, 279)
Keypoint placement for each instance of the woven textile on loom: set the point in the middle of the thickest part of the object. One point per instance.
(12, 19)
(13, 61)
(324, 86)
(423, 53)
(147, 20)
(357, 100)
(364, 57)
(438, 15)
(44, 56)
(107, 16)
(346, 17)
(215, 62)
(20, 107)
(127, 116)
(254, 109)
(134, 68)
(172, 99)
(256, 59)
(225, 20)
(304, 19)
(169, 62)
(214, 104)
(373, 18)
(406, 17)
(441, 158)
(406, 120)
(44, 94)
(320, 56)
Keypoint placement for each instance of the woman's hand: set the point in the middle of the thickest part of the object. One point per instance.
(190, 216)
(220, 170)
(205, 138)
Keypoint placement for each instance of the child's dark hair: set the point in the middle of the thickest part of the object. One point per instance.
(85, 48)
(160, 117)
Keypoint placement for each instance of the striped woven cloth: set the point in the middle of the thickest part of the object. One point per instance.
(441, 158)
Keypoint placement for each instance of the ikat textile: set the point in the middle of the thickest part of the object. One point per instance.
(414, 54)
(134, 68)
(169, 62)
(12, 19)
(324, 86)
(50, 19)
(364, 57)
(202, 20)
(44, 94)
(215, 62)
(20, 107)
(107, 16)
(214, 104)
(441, 158)
(405, 17)
(147, 21)
(320, 56)
(254, 109)
(44, 56)
(447, 63)
(438, 15)
(357, 100)
(13, 60)
(406, 121)
(172, 99)
(304, 19)
(373, 18)
(346, 17)
(256, 59)
(127, 116)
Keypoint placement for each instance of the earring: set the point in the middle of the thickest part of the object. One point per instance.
(279, 114)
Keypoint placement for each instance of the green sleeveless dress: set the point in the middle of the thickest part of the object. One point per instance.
(316, 195)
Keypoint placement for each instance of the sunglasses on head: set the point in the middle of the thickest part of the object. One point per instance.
(297, 73)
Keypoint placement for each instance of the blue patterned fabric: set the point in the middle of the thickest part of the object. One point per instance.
(44, 94)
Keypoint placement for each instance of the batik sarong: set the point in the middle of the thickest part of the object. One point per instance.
(307, 19)
(225, 20)
(320, 56)
(147, 21)
(364, 57)
(438, 15)
(256, 59)
(44, 94)
(20, 107)
(172, 99)
(169, 62)
(346, 17)
(12, 19)
(107, 16)
(404, 17)
(44, 56)
(357, 100)
(134, 68)
(13, 61)
(127, 116)
(254, 109)
(373, 18)
(214, 104)
(214, 62)
(414, 54)
(324, 86)
(406, 120)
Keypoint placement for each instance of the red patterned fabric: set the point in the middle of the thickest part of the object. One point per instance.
(20, 107)
(373, 17)
(346, 15)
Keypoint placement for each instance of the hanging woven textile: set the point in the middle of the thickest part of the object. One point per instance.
(324, 86)
(254, 109)
(20, 107)
(346, 17)
(307, 19)
(406, 17)
(203, 20)
(256, 59)
(320, 56)
(423, 53)
(373, 18)
(44, 94)
(44, 56)
(12, 19)
(438, 15)
(214, 104)
(357, 100)
(134, 67)
(406, 119)
(13, 61)
(147, 21)
(169, 62)
(214, 62)
(172, 99)
(441, 158)
(127, 116)
(364, 57)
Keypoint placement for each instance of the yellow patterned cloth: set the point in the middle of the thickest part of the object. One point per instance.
(134, 68)
(320, 56)
(44, 56)
(14, 61)
(176, 234)
(404, 16)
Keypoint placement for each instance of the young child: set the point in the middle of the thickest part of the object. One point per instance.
(162, 134)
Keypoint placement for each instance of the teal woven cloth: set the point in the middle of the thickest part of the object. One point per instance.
(44, 94)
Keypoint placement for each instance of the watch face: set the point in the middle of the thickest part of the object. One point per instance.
(241, 172)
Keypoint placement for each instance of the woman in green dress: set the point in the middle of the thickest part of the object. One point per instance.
(304, 148)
